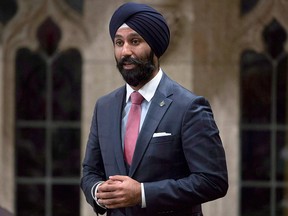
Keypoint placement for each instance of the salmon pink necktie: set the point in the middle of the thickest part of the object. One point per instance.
(132, 126)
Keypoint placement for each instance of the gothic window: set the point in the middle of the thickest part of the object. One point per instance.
(264, 126)
(247, 5)
(8, 9)
(77, 5)
(47, 127)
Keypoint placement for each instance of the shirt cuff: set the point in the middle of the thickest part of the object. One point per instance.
(93, 193)
(143, 202)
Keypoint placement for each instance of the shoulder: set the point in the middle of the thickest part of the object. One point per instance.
(174, 88)
(178, 93)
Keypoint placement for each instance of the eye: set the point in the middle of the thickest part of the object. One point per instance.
(119, 43)
(135, 41)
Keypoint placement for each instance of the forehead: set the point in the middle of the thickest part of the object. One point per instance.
(126, 31)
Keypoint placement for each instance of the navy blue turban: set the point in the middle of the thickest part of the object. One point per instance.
(146, 21)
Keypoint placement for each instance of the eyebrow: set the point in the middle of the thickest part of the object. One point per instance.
(117, 36)
(134, 34)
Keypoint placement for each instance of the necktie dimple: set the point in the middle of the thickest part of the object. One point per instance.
(132, 126)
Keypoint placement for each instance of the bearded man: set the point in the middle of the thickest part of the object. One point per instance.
(154, 147)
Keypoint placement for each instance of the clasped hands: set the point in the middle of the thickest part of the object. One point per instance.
(118, 192)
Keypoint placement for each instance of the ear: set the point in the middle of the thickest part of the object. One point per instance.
(156, 61)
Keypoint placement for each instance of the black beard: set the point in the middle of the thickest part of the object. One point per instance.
(142, 72)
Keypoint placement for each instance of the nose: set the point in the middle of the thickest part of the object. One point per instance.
(126, 50)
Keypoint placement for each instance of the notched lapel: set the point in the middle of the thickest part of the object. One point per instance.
(159, 105)
(117, 116)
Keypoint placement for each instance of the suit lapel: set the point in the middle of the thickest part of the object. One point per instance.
(159, 105)
(116, 116)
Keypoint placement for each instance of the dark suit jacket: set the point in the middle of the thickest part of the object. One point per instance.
(179, 172)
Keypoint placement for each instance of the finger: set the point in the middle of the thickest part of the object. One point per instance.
(120, 178)
(110, 188)
(106, 195)
(107, 186)
(113, 206)
(113, 202)
(113, 181)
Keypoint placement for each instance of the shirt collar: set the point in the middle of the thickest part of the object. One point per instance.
(148, 90)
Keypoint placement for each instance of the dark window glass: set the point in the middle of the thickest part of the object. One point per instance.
(255, 155)
(30, 86)
(47, 126)
(247, 5)
(274, 38)
(282, 156)
(282, 94)
(66, 199)
(255, 201)
(30, 151)
(281, 201)
(66, 86)
(30, 200)
(256, 76)
(49, 36)
(8, 9)
(77, 5)
(264, 150)
(66, 152)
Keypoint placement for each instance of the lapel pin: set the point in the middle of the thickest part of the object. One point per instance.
(162, 103)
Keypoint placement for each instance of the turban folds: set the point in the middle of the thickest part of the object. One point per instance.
(146, 21)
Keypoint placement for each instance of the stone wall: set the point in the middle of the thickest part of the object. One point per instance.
(206, 43)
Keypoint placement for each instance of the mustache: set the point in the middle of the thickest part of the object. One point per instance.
(130, 60)
(141, 73)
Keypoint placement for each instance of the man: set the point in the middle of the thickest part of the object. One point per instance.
(178, 161)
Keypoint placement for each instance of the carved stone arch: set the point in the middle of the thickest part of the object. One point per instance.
(281, 13)
(72, 23)
(22, 31)
(281, 16)
(252, 25)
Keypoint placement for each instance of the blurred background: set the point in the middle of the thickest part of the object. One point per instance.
(56, 60)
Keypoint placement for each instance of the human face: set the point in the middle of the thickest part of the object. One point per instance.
(135, 59)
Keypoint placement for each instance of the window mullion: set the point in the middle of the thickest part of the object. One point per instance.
(273, 143)
(49, 157)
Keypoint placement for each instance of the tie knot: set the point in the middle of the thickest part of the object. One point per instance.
(136, 98)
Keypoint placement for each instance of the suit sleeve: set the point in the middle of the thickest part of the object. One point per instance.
(205, 157)
(93, 169)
